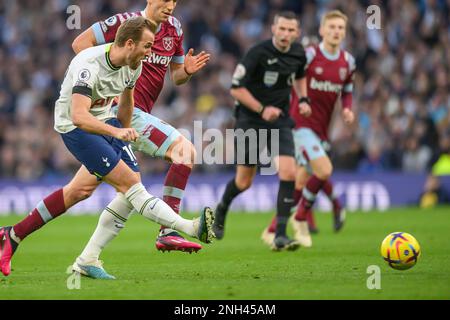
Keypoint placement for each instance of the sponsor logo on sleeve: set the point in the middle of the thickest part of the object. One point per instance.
(240, 72)
(111, 21)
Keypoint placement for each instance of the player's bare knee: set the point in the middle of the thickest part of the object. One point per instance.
(287, 175)
(85, 193)
(325, 172)
(243, 183)
(127, 183)
(74, 194)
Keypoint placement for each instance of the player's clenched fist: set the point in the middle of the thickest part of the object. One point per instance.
(348, 116)
(305, 109)
(271, 113)
(126, 134)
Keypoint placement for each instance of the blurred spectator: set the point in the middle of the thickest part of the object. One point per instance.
(433, 194)
(402, 82)
(442, 166)
(416, 157)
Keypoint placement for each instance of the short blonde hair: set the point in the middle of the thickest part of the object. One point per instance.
(333, 14)
(132, 29)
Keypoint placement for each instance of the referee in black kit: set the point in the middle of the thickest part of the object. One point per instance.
(261, 86)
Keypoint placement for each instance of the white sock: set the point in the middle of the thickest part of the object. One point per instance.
(109, 225)
(157, 210)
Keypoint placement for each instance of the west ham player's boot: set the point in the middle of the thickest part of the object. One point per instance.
(300, 226)
(174, 241)
(268, 236)
(7, 248)
(301, 232)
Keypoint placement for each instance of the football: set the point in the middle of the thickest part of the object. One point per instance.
(400, 250)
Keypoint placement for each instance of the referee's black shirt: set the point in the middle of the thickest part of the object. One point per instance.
(269, 74)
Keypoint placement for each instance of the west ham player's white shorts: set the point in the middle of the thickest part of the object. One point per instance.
(308, 146)
(155, 135)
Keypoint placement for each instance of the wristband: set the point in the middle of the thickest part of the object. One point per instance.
(189, 74)
(260, 112)
(305, 100)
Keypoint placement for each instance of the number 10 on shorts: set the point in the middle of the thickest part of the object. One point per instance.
(130, 153)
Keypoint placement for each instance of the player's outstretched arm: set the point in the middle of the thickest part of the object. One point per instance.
(82, 119)
(126, 105)
(182, 72)
(84, 41)
(247, 99)
(268, 113)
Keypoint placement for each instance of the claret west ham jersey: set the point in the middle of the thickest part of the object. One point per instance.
(269, 74)
(167, 48)
(329, 77)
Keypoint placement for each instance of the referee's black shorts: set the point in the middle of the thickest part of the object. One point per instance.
(253, 144)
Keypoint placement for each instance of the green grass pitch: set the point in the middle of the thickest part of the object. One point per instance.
(240, 266)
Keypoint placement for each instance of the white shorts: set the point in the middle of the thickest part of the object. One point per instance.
(308, 146)
(155, 135)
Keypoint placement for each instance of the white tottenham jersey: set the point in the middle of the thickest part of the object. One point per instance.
(92, 74)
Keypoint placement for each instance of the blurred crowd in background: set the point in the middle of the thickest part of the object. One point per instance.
(401, 95)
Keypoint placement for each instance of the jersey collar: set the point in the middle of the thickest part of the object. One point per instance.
(329, 56)
(285, 51)
(145, 16)
(108, 59)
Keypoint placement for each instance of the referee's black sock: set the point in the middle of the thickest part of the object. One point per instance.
(284, 204)
(231, 192)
